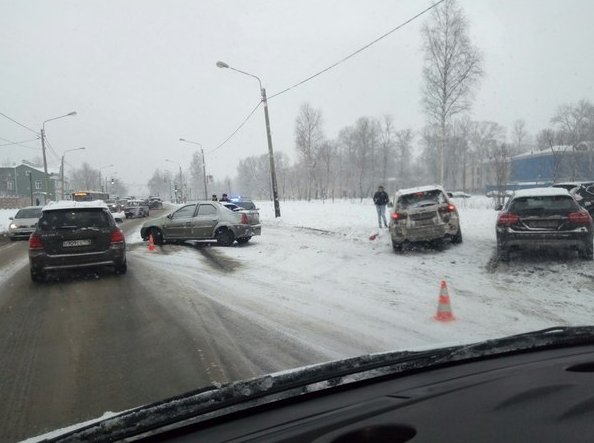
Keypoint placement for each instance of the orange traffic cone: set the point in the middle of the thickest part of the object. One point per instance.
(151, 243)
(444, 308)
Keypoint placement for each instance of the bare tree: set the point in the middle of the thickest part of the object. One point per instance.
(387, 144)
(85, 178)
(404, 139)
(499, 156)
(574, 122)
(453, 67)
(308, 139)
(520, 137)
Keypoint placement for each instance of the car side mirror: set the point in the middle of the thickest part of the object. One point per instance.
(119, 220)
(11, 218)
(498, 207)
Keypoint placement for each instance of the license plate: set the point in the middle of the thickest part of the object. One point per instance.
(544, 224)
(74, 243)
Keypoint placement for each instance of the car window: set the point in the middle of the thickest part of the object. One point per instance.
(186, 211)
(246, 204)
(420, 199)
(29, 213)
(540, 204)
(73, 219)
(207, 210)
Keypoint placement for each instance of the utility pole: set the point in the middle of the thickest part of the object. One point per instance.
(271, 156)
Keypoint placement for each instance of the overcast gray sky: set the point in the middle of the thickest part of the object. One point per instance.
(141, 74)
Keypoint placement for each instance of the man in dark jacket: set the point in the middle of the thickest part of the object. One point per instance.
(381, 199)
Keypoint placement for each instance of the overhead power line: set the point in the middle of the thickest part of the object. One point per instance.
(311, 77)
(351, 55)
(13, 143)
(245, 120)
(20, 124)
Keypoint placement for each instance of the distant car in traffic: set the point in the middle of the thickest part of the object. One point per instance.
(544, 218)
(205, 220)
(136, 208)
(423, 214)
(72, 235)
(245, 203)
(23, 223)
(155, 203)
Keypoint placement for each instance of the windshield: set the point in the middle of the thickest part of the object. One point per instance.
(73, 219)
(398, 175)
(28, 213)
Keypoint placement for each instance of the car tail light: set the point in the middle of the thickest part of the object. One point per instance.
(244, 219)
(447, 208)
(580, 218)
(398, 216)
(508, 219)
(35, 242)
(117, 236)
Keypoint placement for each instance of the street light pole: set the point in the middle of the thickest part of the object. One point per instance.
(203, 165)
(277, 213)
(100, 176)
(62, 167)
(46, 182)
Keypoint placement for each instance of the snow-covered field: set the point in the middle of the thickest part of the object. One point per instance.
(315, 277)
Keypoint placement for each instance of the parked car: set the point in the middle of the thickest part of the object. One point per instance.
(205, 220)
(23, 223)
(155, 203)
(136, 208)
(423, 214)
(72, 235)
(245, 203)
(544, 218)
(583, 192)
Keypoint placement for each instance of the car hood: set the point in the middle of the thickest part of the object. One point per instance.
(220, 400)
(24, 221)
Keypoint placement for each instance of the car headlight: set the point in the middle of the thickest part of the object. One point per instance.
(13, 226)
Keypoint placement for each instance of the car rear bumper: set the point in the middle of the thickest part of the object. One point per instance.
(242, 231)
(549, 239)
(422, 233)
(41, 261)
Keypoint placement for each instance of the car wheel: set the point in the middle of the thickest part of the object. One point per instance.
(456, 239)
(157, 236)
(396, 246)
(243, 240)
(225, 237)
(37, 276)
(587, 253)
(121, 268)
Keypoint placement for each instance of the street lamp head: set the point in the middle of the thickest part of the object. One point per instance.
(71, 113)
(182, 139)
(221, 64)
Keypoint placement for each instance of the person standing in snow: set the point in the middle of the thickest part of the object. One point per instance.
(381, 199)
(224, 198)
(214, 198)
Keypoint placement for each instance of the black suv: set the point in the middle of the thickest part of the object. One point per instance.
(72, 235)
(544, 218)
